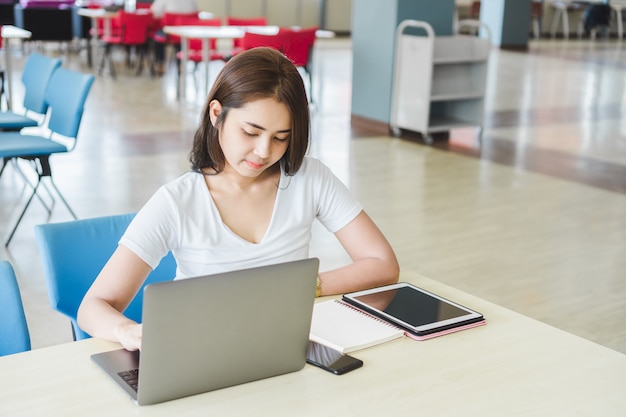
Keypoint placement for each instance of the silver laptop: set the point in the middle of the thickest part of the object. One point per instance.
(206, 333)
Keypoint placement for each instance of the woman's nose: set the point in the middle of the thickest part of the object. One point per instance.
(263, 147)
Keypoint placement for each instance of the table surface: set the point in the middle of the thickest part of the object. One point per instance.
(96, 13)
(210, 32)
(512, 366)
(13, 32)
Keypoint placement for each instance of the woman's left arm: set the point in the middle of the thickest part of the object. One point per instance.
(373, 260)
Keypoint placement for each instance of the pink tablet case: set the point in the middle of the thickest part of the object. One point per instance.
(443, 332)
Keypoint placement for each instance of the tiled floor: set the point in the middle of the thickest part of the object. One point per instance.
(533, 219)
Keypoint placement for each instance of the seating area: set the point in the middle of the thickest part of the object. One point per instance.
(65, 94)
(144, 44)
(133, 31)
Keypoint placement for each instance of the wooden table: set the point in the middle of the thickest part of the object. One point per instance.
(9, 33)
(513, 366)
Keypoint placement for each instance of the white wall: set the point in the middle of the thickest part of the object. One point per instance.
(286, 12)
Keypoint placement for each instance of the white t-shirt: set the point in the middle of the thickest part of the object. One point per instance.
(182, 217)
(159, 7)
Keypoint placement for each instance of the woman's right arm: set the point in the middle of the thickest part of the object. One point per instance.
(100, 313)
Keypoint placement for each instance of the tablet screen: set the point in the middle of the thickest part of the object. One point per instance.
(412, 306)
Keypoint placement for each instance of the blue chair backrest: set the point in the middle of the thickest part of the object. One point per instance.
(35, 76)
(66, 95)
(14, 336)
(74, 252)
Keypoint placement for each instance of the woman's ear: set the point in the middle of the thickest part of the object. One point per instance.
(215, 108)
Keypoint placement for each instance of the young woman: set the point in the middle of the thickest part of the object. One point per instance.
(249, 200)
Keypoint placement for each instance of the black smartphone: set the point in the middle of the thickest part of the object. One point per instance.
(330, 359)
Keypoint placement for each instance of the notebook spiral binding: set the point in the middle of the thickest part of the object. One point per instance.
(365, 313)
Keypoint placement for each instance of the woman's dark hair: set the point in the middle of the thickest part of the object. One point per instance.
(251, 75)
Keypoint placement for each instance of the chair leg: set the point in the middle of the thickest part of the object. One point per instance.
(555, 23)
(143, 58)
(89, 55)
(5, 162)
(102, 60)
(537, 27)
(44, 170)
(3, 95)
(106, 57)
(139, 51)
(27, 181)
(129, 56)
(19, 220)
(565, 17)
(151, 58)
(581, 30)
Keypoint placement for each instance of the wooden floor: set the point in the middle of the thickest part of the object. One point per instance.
(532, 218)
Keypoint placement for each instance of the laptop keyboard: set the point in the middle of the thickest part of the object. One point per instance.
(130, 377)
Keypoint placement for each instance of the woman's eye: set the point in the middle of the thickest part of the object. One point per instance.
(245, 132)
(281, 139)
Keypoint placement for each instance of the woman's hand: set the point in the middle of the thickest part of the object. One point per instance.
(100, 312)
(129, 335)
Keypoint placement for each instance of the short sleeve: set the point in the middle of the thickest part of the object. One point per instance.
(152, 232)
(336, 206)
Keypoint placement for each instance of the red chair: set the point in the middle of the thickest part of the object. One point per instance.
(253, 40)
(244, 21)
(194, 50)
(174, 19)
(298, 47)
(134, 28)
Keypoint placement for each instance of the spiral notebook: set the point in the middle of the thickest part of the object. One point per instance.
(347, 329)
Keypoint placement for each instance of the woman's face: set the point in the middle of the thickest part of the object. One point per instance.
(255, 136)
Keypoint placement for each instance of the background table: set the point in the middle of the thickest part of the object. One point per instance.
(95, 15)
(206, 33)
(513, 366)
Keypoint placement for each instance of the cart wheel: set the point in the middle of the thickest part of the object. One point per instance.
(395, 131)
(429, 140)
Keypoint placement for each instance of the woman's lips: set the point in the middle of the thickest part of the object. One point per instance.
(255, 165)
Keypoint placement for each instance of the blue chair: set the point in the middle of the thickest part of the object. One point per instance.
(35, 76)
(14, 335)
(74, 252)
(66, 95)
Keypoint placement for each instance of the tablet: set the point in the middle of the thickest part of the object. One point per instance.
(416, 310)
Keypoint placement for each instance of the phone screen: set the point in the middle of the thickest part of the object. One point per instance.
(331, 359)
